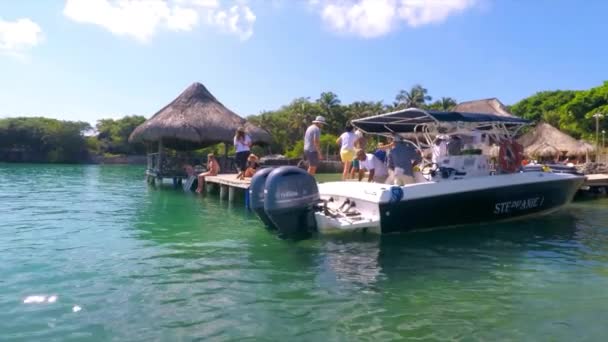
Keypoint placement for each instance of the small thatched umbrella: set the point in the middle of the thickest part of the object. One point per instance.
(195, 119)
(543, 150)
(486, 106)
(548, 141)
(585, 149)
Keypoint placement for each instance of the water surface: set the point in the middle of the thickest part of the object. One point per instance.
(130, 262)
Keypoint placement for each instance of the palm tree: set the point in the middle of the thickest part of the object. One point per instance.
(360, 109)
(416, 97)
(299, 112)
(328, 101)
(447, 103)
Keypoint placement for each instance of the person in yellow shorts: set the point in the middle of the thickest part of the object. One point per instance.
(347, 149)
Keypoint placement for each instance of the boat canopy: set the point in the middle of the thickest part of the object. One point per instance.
(413, 120)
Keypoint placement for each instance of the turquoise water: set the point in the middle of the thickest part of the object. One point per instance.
(122, 261)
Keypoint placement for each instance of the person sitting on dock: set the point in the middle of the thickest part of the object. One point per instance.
(213, 169)
(376, 168)
(252, 166)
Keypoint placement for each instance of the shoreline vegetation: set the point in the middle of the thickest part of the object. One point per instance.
(45, 140)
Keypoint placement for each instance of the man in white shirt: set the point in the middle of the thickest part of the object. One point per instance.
(377, 170)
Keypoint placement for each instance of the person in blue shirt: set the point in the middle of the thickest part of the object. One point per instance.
(401, 159)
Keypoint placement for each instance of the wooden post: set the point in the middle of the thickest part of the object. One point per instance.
(226, 164)
(159, 162)
(209, 187)
(231, 194)
(223, 191)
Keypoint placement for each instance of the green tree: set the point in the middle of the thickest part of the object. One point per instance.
(416, 97)
(443, 104)
(113, 135)
(41, 139)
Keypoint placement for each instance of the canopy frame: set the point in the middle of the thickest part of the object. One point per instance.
(427, 126)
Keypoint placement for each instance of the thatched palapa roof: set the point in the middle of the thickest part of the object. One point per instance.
(548, 141)
(485, 106)
(195, 119)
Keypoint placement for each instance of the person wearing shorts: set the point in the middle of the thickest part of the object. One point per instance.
(312, 144)
(360, 143)
(347, 149)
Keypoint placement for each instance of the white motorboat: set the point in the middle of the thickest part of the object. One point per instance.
(458, 189)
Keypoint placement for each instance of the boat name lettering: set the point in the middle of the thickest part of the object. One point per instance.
(510, 206)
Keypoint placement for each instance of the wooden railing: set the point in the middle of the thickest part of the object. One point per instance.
(172, 164)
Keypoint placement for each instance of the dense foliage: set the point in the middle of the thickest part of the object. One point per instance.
(288, 123)
(113, 135)
(570, 111)
(42, 139)
(37, 139)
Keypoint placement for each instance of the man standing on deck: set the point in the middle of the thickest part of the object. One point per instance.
(401, 160)
(312, 144)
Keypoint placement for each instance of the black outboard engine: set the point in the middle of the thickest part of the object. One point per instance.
(256, 195)
(291, 194)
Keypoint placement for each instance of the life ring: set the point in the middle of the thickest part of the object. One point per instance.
(510, 156)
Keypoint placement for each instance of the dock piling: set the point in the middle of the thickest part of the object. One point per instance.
(223, 191)
(229, 185)
(231, 194)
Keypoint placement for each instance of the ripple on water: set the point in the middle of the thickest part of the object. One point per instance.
(128, 262)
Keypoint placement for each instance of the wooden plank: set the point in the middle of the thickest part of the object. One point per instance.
(597, 180)
(230, 180)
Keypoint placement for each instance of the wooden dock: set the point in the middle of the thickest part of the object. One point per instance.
(229, 185)
(597, 180)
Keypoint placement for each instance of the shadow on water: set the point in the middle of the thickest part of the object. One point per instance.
(459, 253)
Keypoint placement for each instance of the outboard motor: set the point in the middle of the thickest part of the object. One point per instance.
(256, 195)
(290, 196)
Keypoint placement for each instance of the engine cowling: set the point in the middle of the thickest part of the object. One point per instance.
(256, 195)
(290, 196)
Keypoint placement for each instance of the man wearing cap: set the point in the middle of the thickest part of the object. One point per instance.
(312, 144)
(376, 168)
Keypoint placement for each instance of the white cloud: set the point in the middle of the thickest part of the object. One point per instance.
(422, 12)
(239, 19)
(373, 18)
(18, 36)
(142, 19)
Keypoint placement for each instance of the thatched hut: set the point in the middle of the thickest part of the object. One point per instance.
(486, 106)
(195, 119)
(547, 141)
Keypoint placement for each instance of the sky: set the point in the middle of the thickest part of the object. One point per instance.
(91, 59)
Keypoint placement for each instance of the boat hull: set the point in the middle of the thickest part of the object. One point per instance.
(478, 206)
